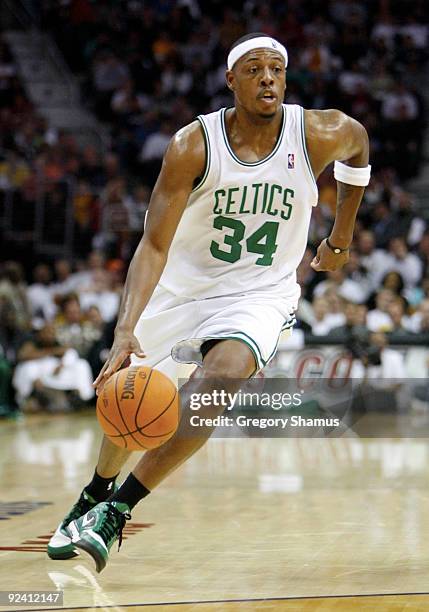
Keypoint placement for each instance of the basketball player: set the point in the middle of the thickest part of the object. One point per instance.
(213, 280)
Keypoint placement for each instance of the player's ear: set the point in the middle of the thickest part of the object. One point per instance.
(229, 77)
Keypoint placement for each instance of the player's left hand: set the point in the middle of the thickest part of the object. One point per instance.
(326, 260)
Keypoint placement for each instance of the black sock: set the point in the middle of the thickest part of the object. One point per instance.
(130, 492)
(100, 488)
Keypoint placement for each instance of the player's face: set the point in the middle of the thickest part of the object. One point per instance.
(258, 81)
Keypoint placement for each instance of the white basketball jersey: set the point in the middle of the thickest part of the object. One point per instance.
(245, 226)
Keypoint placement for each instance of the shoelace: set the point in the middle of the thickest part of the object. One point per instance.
(81, 507)
(114, 520)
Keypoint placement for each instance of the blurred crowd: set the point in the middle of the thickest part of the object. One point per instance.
(56, 330)
(148, 68)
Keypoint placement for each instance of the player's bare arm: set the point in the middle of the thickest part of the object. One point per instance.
(331, 135)
(183, 163)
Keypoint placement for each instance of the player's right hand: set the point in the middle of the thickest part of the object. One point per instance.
(124, 345)
(326, 260)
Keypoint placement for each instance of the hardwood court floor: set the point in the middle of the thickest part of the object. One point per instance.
(270, 525)
(415, 603)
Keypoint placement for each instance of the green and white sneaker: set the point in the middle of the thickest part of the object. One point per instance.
(98, 529)
(60, 545)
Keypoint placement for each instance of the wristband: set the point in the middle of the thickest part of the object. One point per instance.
(352, 176)
(334, 249)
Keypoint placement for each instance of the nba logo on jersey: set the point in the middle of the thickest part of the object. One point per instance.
(291, 160)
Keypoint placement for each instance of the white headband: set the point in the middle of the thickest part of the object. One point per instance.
(263, 42)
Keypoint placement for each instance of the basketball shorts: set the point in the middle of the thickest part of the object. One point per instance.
(172, 329)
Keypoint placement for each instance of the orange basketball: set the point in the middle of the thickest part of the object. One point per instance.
(138, 408)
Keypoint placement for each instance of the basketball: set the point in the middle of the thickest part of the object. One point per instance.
(138, 408)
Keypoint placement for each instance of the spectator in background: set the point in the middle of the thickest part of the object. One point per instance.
(383, 372)
(323, 320)
(419, 322)
(101, 297)
(354, 325)
(394, 282)
(347, 288)
(127, 104)
(13, 291)
(117, 272)
(383, 226)
(418, 294)
(64, 281)
(11, 334)
(397, 313)
(46, 371)
(415, 30)
(353, 81)
(358, 273)
(380, 80)
(407, 264)
(39, 294)
(93, 315)
(375, 260)
(163, 47)
(379, 319)
(318, 59)
(176, 80)
(137, 204)
(83, 280)
(115, 225)
(336, 307)
(399, 106)
(154, 148)
(384, 29)
(408, 224)
(72, 329)
(109, 74)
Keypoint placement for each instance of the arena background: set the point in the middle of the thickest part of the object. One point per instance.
(90, 93)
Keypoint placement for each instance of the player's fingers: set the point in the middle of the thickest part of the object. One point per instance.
(110, 367)
(101, 375)
(138, 351)
(319, 267)
(115, 363)
(99, 388)
(315, 263)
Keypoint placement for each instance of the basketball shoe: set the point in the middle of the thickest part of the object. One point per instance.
(98, 529)
(60, 545)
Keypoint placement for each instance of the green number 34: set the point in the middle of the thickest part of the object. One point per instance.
(262, 241)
